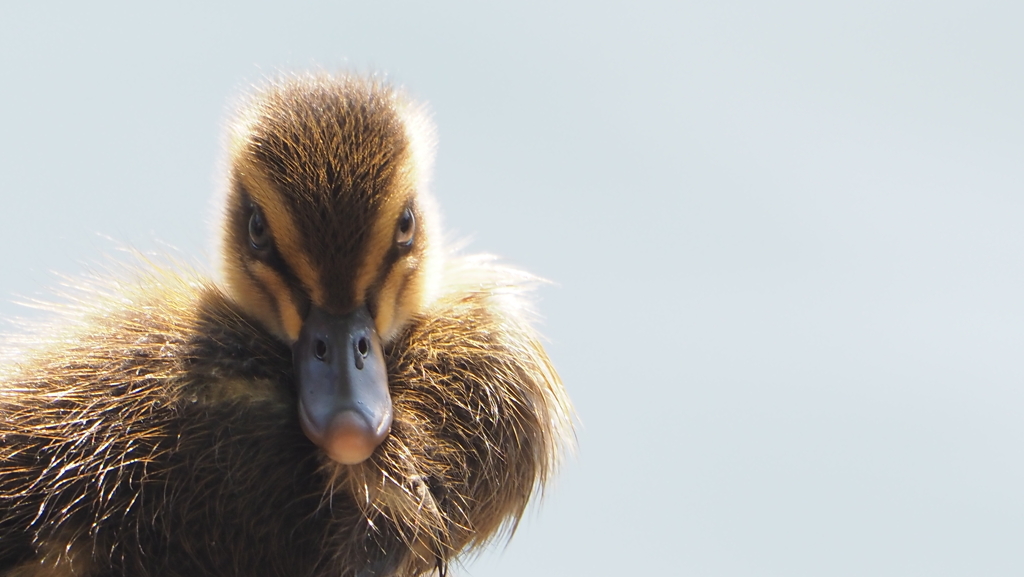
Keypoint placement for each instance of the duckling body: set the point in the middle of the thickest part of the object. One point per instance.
(174, 426)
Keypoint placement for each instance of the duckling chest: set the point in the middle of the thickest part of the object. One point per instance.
(165, 451)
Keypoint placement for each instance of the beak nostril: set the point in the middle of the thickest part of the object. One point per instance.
(363, 346)
(320, 349)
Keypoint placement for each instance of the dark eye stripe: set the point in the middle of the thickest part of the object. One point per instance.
(387, 263)
(272, 258)
(300, 297)
(257, 283)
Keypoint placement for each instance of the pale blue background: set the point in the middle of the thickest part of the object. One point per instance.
(787, 242)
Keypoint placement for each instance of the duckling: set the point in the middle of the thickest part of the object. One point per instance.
(348, 399)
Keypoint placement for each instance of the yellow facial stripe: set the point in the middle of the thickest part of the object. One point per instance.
(381, 240)
(283, 230)
(289, 318)
(244, 290)
(390, 311)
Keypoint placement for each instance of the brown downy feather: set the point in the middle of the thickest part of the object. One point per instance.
(156, 434)
(155, 430)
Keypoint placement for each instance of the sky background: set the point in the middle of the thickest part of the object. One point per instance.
(786, 243)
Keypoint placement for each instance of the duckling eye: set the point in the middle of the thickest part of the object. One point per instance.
(259, 236)
(406, 229)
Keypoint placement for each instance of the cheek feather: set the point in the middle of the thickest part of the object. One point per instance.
(289, 320)
(398, 298)
(245, 289)
(386, 304)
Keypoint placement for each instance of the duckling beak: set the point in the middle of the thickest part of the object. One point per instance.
(344, 403)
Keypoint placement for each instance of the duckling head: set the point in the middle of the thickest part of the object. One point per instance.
(326, 241)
